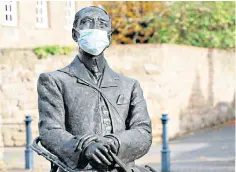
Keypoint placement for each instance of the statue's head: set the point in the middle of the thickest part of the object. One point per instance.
(92, 30)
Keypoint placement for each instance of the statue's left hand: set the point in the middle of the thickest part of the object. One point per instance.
(97, 155)
(109, 142)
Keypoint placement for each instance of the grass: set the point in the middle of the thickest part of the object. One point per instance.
(44, 51)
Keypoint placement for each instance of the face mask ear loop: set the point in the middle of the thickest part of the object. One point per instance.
(76, 31)
(109, 33)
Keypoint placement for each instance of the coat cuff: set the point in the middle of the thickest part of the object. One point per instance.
(78, 145)
(72, 157)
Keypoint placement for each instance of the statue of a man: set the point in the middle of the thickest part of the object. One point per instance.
(86, 110)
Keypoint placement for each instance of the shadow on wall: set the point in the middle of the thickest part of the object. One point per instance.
(200, 111)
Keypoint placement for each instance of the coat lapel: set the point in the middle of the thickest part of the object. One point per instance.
(77, 69)
(110, 78)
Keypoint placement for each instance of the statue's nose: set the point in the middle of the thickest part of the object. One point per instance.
(94, 24)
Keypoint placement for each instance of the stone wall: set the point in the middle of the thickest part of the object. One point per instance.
(194, 85)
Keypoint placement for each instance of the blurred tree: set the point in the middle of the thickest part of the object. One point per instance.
(204, 24)
(131, 18)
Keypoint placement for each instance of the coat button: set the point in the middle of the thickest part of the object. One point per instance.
(105, 112)
(104, 109)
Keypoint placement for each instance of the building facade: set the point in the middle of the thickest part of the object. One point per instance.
(28, 24)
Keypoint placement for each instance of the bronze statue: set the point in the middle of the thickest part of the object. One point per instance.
(87, 111)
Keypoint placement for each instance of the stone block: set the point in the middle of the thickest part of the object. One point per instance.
(19, 138)
(152, 69)
(19, 142)
(7, 139)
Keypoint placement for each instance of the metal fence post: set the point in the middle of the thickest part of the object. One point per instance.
(165, 152)
(28, 150)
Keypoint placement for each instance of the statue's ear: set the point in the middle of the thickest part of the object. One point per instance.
(75, 35)
(110, 38)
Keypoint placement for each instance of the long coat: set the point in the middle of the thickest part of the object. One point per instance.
(68, 110)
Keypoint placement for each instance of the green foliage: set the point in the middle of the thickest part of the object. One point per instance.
(45, 51)
(203, 24)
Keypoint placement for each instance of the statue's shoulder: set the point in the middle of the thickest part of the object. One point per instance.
(125, 79)
(58, 74)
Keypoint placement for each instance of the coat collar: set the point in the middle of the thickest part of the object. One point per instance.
(78, 70)
(90, 63)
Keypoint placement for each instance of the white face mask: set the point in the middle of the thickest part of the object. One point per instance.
(93, 41)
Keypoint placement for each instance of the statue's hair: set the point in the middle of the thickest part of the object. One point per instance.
(78, 14)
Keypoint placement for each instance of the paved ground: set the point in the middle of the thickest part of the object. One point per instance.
(209, 150)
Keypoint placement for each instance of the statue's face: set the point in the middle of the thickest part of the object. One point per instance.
(94, 18)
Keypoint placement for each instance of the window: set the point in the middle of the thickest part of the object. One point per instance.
(10, 13)
(69, 13)
(41, 14)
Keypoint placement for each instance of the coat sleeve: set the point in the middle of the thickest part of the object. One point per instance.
(53, 134)
(136, 140)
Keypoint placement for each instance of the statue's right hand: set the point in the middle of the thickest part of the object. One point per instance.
(98, 154)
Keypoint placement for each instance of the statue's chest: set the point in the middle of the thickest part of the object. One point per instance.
(81, 97)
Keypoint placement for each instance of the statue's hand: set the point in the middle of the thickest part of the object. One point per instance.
(109, 142)
(97, 155)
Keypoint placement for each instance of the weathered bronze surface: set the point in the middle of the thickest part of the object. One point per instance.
(87, 110)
